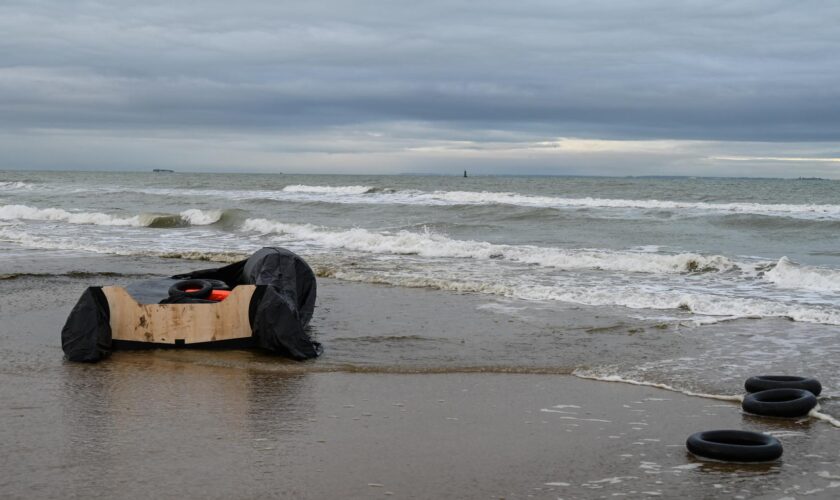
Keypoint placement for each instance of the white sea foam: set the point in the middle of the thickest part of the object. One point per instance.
(500, 274)
(14, 185)
(166, 248)
(606, 377)
(411, 197)
(818, 211)
(196, 217)
(595, 375)
(430, 244)
(816, 413)
(484, 197)
(711, 307)
(634, 294)
(356, 194)
(301, 188)
(23, 212)
(414, 197)
(726, 308)
(787, 274)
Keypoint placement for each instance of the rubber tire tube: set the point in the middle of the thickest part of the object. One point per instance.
(764, 382)
(180, 288)
(734, 446)
(216, 284)
(786, 403)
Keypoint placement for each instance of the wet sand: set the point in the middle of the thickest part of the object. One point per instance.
(163, 429)
(239, 424)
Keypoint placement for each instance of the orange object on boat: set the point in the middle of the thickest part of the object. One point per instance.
(217, 295)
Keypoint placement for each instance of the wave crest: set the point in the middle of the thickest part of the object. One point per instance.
(433, 245)
(357, 194)
(196, 217)
(14, 185)
(191, 217)
(501, 198)
(24, 212)
(302, 188)
(788, 274)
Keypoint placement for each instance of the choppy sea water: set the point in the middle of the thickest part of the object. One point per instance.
(746, 269)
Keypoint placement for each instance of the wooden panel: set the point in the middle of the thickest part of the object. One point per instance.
(168, 323)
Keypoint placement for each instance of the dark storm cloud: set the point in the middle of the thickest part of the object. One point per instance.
(709, 70)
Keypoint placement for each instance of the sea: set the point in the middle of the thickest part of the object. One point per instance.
(711, 280)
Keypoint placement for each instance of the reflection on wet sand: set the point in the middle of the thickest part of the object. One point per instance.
(143, 415)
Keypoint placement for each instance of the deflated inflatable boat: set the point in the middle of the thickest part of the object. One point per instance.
(267, 302)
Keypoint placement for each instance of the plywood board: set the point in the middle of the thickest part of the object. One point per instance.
(190, 323)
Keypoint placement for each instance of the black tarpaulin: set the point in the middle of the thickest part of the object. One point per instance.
(280, 309)
(86, 335)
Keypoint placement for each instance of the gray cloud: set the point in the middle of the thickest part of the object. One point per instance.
(280, 76)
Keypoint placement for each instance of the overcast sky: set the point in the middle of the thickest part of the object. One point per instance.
(585, 87)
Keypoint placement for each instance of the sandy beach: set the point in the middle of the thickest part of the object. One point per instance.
(240, 424)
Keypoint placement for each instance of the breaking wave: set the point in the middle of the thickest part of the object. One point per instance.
(128, 249)
(357, 194)
(13, 185)
(609, 375)
(433, 245)
(484, 197)
(726, 308)
(190, 217)
(196, 217)
(630, 293)
(300, 188)
(788, 274)
(23, 212)
(369, 195)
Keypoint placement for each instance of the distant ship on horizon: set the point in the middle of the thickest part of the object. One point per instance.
(163, 170)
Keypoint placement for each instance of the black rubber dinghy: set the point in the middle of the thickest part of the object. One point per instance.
(280, 307)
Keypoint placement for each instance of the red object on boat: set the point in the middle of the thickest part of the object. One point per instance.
(217, 295)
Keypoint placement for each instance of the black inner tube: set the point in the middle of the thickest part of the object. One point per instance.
(787, 403)
(734, 446)
(765, 382)
(179, 289)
